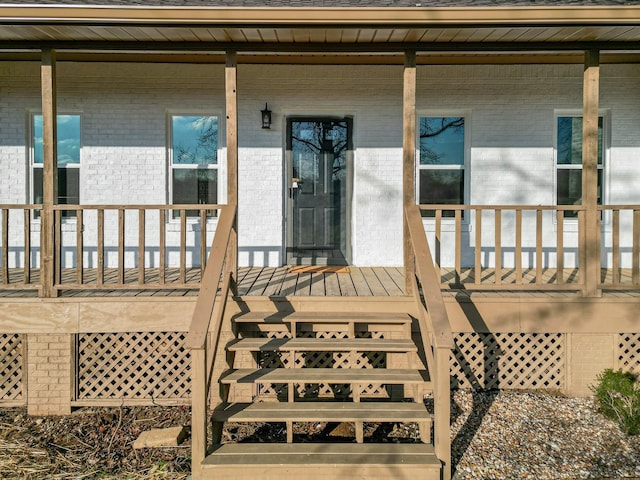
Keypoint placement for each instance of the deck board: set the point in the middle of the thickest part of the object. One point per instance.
(322, 411)
(360, 284)
(385, 279)
(322, 345)
(280, 282)
(326, 375)
(347, 289)
(275, 285)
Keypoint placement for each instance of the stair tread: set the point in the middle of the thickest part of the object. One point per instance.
(323, 345)
(322, 411)
(322, 453)
(325, 375)
(320, 317)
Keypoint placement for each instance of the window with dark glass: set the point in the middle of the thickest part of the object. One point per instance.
(68, 160)
(194, 161)
(569, 161)
(441, 167)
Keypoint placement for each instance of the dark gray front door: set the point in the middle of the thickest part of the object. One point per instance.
(318, 161)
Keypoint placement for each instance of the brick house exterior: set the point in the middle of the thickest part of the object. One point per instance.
(522, 269)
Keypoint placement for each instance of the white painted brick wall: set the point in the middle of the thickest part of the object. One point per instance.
(124, 111)
(510, 121)
(373, 98)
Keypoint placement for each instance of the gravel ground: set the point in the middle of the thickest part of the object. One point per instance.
(505, 435)
(495, 435)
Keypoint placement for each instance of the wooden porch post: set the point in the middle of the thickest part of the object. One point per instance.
(591, 226)
(408, 160)
(50, 171)
(232, 156)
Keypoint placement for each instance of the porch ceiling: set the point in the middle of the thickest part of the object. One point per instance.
(293, 29)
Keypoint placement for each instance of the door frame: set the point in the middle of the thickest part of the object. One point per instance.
(288, 174)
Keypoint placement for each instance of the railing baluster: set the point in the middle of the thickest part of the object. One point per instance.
(100, 273)
(582, 259)
(5, 246)
(498, 246)
(163, 247)
(79, 246)
(560, 247)
(27, 246)
(635, 271)
(599, 280)
(141, 243)
(538, 247)
(518, 247)
(438, 245)
(57, 248)
(183, 247)
(203, 241)
(442, 409)
(121, 244)
(615, 246)
(477, 275)
(199, 401)
(458, 254)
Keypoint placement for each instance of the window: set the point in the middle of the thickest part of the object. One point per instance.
(441, 168)
(68, 160)
(194, 161)
(569, 161)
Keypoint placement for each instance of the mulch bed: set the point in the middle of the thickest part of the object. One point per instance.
(90, 443)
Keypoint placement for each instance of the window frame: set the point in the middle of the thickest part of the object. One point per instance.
(605, 114)
(69, 216)
(464, 166)
(171, 166)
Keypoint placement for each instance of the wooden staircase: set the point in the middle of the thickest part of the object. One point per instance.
(337, 359)
(323, 367)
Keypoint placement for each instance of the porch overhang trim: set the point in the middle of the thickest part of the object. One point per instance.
(308, 16)
(329, 48)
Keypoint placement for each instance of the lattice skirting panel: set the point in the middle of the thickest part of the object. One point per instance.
(509, 360)
(146, 365)
(11, 369)
(629, 352)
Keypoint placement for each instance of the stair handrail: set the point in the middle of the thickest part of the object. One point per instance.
(203, 336)
(436, 334)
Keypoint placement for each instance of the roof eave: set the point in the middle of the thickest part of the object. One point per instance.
(326, 16)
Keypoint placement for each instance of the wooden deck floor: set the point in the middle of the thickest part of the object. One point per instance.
(281, 282)
(361, 282)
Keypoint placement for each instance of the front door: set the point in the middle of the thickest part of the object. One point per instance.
(318, 165)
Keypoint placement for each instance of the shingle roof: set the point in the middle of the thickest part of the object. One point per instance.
(326, 3)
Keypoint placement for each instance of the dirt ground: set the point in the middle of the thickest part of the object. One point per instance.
(91, 443)
(97, 443)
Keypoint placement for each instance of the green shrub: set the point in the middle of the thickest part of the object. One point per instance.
(617, 395)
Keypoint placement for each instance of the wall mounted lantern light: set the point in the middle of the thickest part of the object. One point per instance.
(266, 117)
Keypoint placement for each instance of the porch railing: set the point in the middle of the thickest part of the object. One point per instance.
(204, 332)
(18, 248)
(619, 247)
(518, 247)
(435, 329)
(112, 247)
(507, 247)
